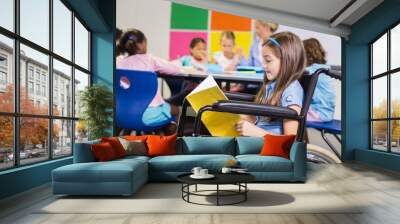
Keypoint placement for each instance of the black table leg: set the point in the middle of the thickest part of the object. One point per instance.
(182, 190)
(217, 194)
(188, 190)
(245, 193)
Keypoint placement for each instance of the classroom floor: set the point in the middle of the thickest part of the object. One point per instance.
(350, 181)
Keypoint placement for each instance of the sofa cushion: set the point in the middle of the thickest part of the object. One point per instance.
(112, 171)
(161, 145)
(206, 145)
(131, 158)
(134, 147)
(135, 137)
(249, 145)
(185, 163)
(116, 145)
(103, 152)
(257, 163)
(277, 145)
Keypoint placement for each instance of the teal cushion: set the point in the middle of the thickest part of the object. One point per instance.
(185, 163)
(111, 171)
(133, 157)
(257, 163)
(206, 145)
(249, 145)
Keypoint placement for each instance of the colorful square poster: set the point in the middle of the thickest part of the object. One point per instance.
(180, 42)
(188, 17)
(229, 22)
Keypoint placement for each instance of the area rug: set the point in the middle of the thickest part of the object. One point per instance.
(167, 198)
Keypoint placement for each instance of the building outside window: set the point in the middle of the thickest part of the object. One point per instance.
(30, 72)
(3, 78)
(44, 91)
(37, 75)
(44, 77)
(3, 72)
(30, 87)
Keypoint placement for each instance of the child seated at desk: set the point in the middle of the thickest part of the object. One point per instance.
(198, 55)
(193, 63)
(227, 58)
(133, 43)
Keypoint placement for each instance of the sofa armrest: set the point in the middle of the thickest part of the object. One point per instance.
(83, 152)
(298, 155)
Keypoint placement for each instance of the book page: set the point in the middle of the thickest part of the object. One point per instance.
(217, 123)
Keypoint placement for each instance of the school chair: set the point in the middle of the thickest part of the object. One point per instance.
(134, 92)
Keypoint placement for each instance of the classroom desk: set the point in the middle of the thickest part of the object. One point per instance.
(245, 78)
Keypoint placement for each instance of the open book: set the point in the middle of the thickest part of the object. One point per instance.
(217, 123)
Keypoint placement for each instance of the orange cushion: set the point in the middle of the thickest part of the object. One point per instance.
(103, 152)
(134, 137)
(116, 145)
(161, 145)
(277, 145)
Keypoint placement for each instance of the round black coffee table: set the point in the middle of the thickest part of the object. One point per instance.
(238, 179)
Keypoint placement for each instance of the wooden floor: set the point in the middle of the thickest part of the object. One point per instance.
(351, 181)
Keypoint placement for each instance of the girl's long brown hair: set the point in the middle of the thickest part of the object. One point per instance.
(293, 60)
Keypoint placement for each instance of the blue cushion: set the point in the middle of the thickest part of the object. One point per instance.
(206, 145)
(257, 163)
(83, 153)
(111, 171)
(119, 177)
(249, 145)
(185, 163)
(133, 158)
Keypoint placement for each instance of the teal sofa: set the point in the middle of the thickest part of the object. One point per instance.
(125, 176)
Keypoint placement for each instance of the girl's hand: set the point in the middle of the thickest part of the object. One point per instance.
(203, 56)
(245, 128)
(230, 68)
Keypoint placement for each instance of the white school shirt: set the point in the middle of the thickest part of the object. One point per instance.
(223, 61)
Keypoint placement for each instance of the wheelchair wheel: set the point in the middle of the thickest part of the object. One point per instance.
(318, 154)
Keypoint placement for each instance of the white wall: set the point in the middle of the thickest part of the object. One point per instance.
(332, 46)
(152, 17)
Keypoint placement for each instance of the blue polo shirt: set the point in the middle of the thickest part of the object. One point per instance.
(254, 54)
(324, 99)
(292, 95)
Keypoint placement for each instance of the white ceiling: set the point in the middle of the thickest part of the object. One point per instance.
(320, 9)
(315, 15)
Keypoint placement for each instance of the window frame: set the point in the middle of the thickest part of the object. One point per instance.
(16, 114)
(388, 74)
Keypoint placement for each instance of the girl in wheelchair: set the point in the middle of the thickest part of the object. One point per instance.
(284, 60)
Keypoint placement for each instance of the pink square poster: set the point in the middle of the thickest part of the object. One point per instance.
(180, 41)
